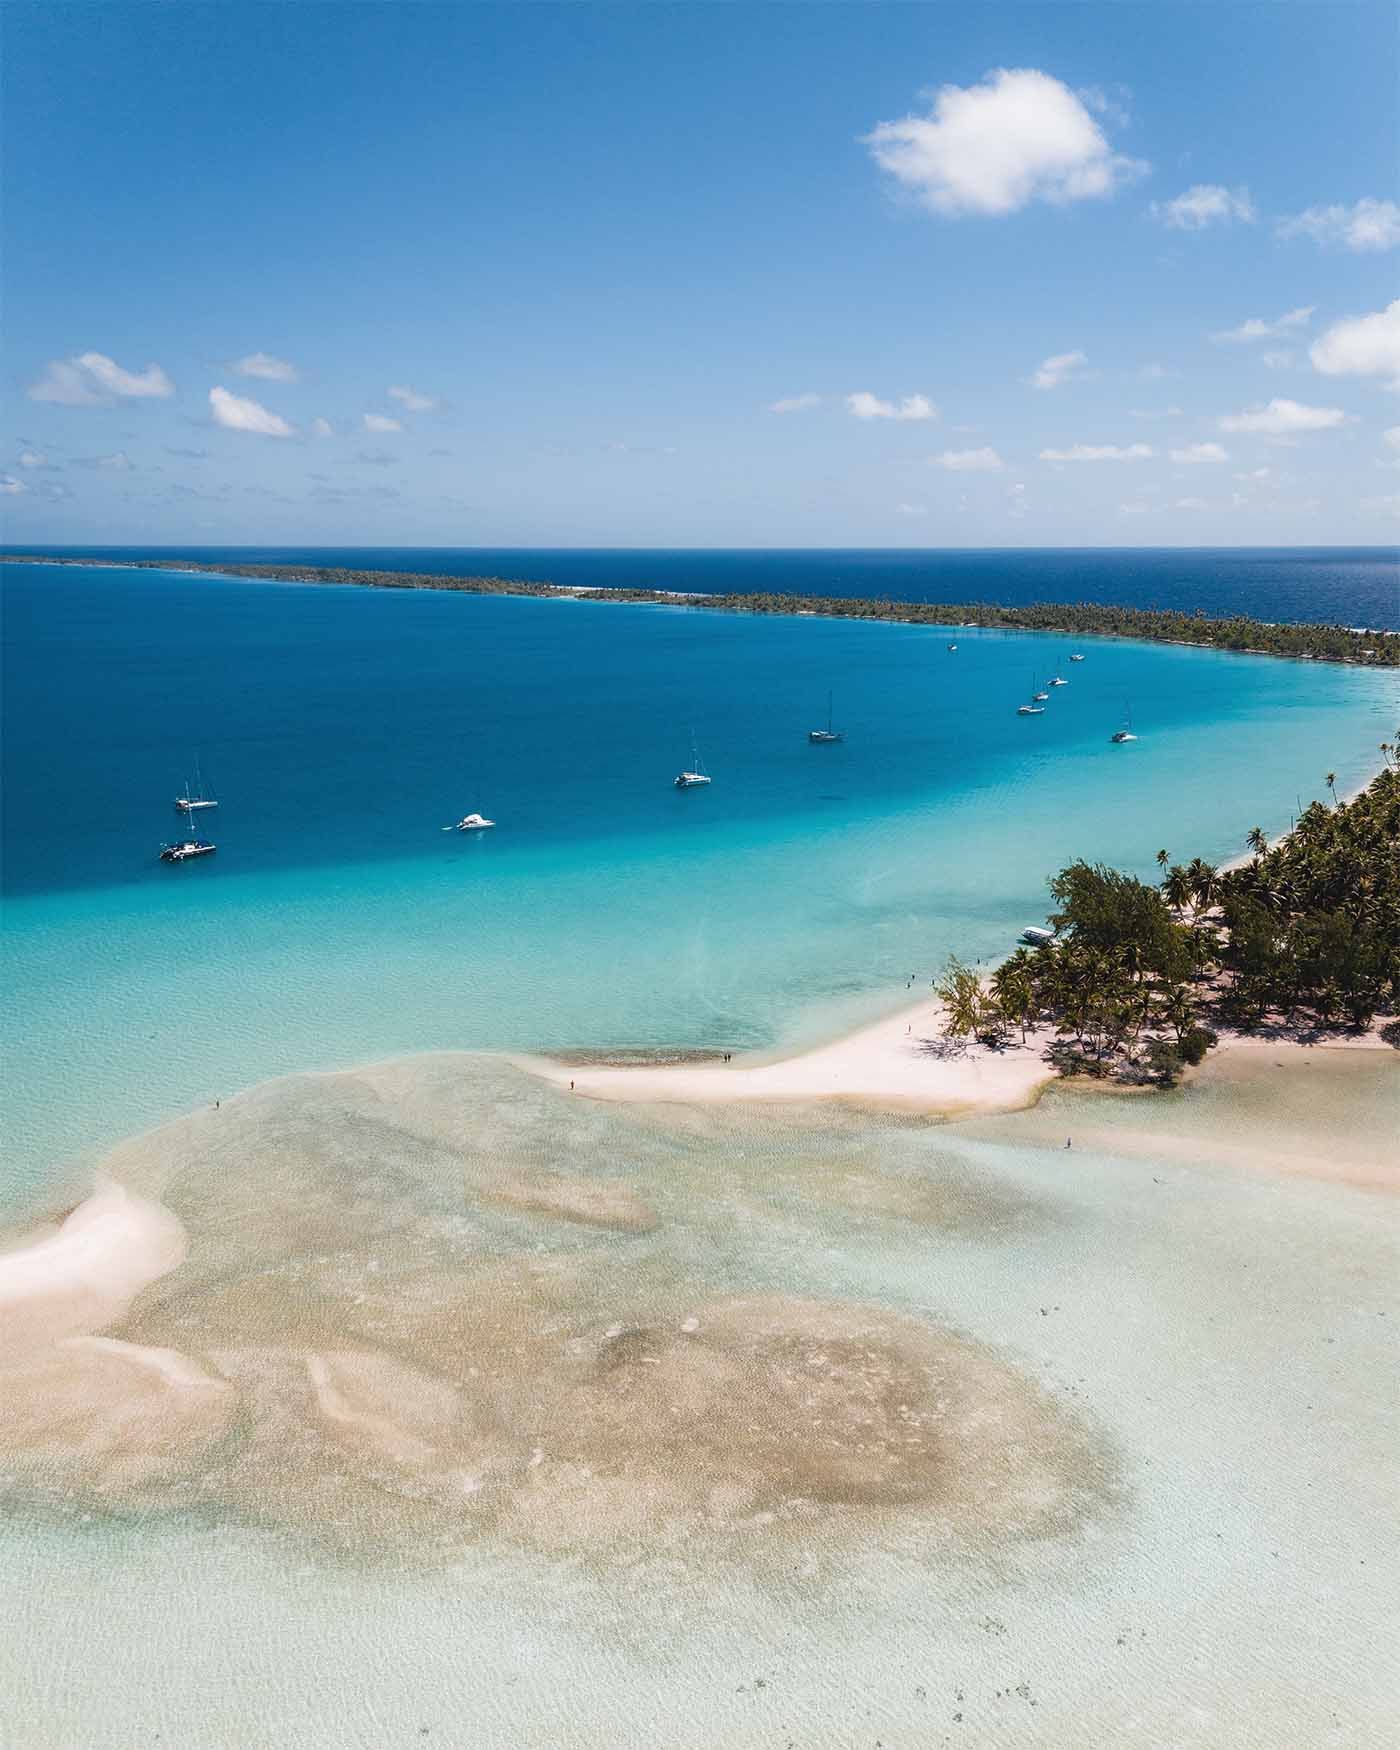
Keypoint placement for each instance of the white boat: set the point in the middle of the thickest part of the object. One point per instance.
(952, 647)
(474, 823)
(194, 797)
(827, 734)
(1035, 937)
(1030, 710)
(1126, 732)
(1039, 698)
(1058, 681)
(1076, 659)
(696, 774)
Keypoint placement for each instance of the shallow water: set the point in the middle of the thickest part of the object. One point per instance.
(342, 728)
(1190, 1526)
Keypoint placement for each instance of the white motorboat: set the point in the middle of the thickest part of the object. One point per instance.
(1076, 659)
(1035, 937)
(1030, 710)
(474, 823)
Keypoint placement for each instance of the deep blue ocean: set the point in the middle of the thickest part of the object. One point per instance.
(1351, 586)
(343, 728)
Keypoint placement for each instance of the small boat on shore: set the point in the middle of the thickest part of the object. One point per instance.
(827, 734)
(190, 848)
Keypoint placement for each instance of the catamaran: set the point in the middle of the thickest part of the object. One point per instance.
(194, 796)
(696, 774)
(1126, 732)
(827, 734)
(182, 853)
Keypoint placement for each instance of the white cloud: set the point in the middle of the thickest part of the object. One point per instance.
(1361, 346)
(262, 364)
(1099, 453)
(1282, 418)
(92, 378)
(1200, 453)
(983, 461)
(411, 399)
(1190, 504)
(1205, 204)
(1391, 435)
(322, 428)
(128, 384)
(1153, 373)
(381, 422)
(1060, 366)
(1154, 413)
(794, 403)
(33, 459)
(118, 463)
(64, 384)
(1277, 361)
(1136, 507)
(1018, 137)
(10, 486)
(864, 405)
(912, 509)
(1256, 474)
(1370, 224)
(1256, 328)
(238, 414)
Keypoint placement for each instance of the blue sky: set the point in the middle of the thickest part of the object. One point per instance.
(533, 275)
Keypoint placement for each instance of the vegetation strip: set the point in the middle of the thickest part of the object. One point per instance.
(1369, 649)
(1306, 933)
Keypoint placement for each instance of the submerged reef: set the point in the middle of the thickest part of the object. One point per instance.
(437, 1302)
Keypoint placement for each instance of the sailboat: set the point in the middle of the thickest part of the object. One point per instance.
(1037, 697)
(696, 774)
(1035, 708)
(1126, 732)
(827, 734)
(1076, 659)
(182, 853)
(194, 796)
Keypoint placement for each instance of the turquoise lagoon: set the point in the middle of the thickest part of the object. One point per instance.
(342, 728)
(1190, 1351)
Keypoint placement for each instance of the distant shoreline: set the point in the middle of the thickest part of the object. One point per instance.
(1351, 646)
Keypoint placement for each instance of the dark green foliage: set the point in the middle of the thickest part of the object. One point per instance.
(1314, 643)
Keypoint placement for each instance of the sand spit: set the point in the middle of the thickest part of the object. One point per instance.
(898, 1064)
(382, 1341)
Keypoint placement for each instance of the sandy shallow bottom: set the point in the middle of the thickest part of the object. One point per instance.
(425, 1403)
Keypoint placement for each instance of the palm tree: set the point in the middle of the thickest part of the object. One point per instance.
(1256, 841)
(1163, 859)
(1176, 889)
(1205, 886)
(1331, 782)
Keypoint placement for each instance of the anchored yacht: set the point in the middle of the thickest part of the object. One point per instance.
(194, 796)
(1126, 732)
(474, 823)
(827, 734)
(182, 853)
(696, 773)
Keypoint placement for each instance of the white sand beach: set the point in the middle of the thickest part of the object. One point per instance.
(898, 1064)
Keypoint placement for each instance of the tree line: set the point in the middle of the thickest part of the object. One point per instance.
(1367, 649)
(1139, 977)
